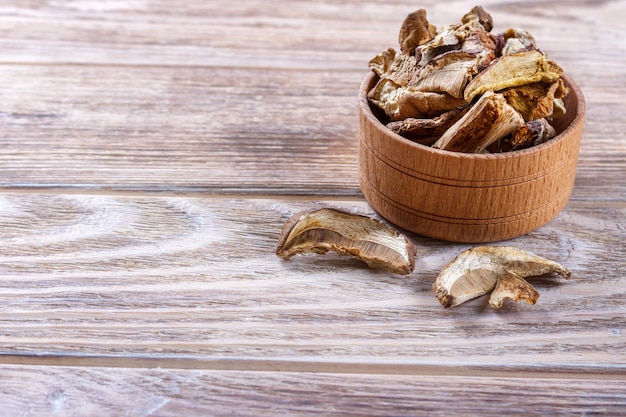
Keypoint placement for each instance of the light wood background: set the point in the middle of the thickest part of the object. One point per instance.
(150, 152)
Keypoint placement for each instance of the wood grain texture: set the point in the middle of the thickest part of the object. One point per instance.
(104, 391)
(215, 97)
(169, 277)
(150, 152)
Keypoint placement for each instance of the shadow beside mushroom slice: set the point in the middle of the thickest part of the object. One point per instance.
(500, 269)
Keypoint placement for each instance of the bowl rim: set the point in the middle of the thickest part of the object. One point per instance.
(364, 104)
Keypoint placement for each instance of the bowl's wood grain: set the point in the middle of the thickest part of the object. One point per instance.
(468, 197)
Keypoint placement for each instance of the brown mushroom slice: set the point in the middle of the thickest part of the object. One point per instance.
(536, 100)
(451, 37)
(381, 63)
(479, 15)
(386, 94)
(447, 39)
(451, 71)
(486, 122)
(364, 238)
(394, 66)
(448, 73)
(512, 287)
(426, 104)
(522, 68)
(476, 272)
(530, 134)
(426, 131)
(525, 38)
(513, 46)
(415, 31)
(400, 103)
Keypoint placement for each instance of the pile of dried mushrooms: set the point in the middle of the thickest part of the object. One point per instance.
(464, 89)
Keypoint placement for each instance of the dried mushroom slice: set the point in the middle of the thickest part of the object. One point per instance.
(400, 103)
(451, 71)
(522, 36)
(508, 71)
(381, 63)
(426, 131)
(451, 37)
(513, 46)
(486, 122)
(502, 269)
(448, 73)
(394, 66)
(425, 104)
(530, 134)
(480, 16)
(367, 239)
(415, 31)
(536, 100)
(512, 287)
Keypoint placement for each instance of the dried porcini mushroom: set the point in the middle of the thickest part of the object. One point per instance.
(426, 131)
(452, 69)
(530, 134)
(535, 101)
(488, 121)
(497, 269)
(415, 31)
(362, 237)
(521, 68)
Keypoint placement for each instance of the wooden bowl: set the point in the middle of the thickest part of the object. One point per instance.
(467, 197)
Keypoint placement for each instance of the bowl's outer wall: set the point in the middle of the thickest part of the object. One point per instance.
(467, 197)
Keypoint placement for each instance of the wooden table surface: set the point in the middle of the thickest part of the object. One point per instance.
(151, 152)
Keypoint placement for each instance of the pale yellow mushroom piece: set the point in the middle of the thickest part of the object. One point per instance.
(482, 269)
(508, 71)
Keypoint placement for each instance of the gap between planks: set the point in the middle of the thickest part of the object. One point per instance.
(190, 192)
(361, 69)
(517, 371)
(181, 192)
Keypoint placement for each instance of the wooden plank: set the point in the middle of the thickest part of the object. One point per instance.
(44, 391)
(197, 277)
(219, 130)
(174, 122)
(284, 34)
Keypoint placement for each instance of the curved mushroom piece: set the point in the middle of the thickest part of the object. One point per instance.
(364, 238)
(400, 103)
(448, 73)
(486, 122)
(530, 134)
(536, 100)
(512, 46)
(415, 30)
(381, 63)
(512, 287)
(480, 15)
(522, 68)
(425, 104)
(426, 131)
(451, 37)
(525, 38)
(394, 66)
(479, 270)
